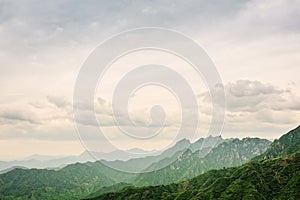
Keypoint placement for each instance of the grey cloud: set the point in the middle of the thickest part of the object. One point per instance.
(271, 116)
(105, 116)
(87, 118)
(66, 21)
(37, 26)
(258, 109)
(101, 101)
(294, 104)
(252, 96)
(108, 13)
(18, 116)
(260, 18)
(246, 88)
(58, 101)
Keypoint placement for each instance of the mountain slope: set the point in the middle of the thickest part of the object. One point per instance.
(107, 189)
(206, 143)
(203, 145)
(133, 160)
(75, 180)
(277, 178)
(285, 145)
(71, 182)
(79, 180)
(188, 164)
(53, 162)
(136, 165)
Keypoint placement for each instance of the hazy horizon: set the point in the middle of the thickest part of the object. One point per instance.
(26, 157)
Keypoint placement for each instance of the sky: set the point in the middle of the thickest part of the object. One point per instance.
(254, 45)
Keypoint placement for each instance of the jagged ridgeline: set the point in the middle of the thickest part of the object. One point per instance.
(270, 178)
(277, 178)
(190, 164)
(273, 175)
(285, 145)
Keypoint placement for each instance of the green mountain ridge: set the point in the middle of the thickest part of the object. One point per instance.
(138, 165)
(285, 145)
(215, 168)
(188, 164)
(264, 177)
(74, 181)
(277, 178)
(71, 182)
(107, 189)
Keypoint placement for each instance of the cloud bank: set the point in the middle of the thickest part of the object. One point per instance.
(254, 44)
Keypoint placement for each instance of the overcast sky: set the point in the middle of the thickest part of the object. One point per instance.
(254, 44)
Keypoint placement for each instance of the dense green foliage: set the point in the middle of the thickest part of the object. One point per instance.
(285, 145)
(277, 178)
(271, 178)
(274, 175)
(107, 189)
(188, 164)
(203, 146)
(79, 180)
(72, 182)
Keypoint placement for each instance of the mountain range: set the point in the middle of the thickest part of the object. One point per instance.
(274, 174)
(56, 162)
(210, 168)
(189, 164)
(277, 178)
